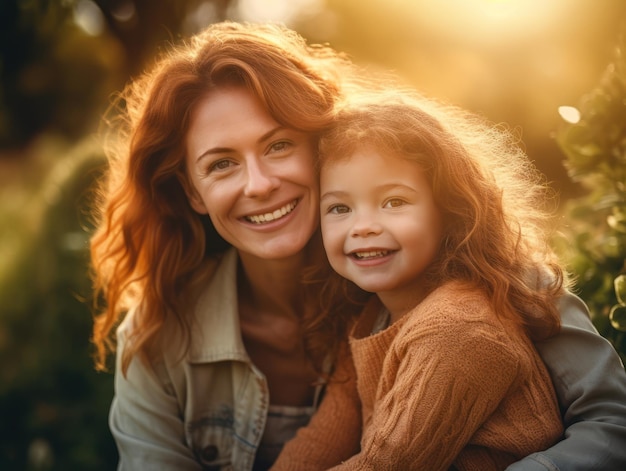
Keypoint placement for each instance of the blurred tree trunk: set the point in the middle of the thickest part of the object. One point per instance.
(56, 78)
(142, 26)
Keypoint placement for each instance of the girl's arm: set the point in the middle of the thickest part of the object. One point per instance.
(145, 420)
(334, 432)
(590, 382)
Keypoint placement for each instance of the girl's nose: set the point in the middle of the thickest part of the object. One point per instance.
(366, 226)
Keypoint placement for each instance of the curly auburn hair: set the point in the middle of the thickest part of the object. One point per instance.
(492, 199)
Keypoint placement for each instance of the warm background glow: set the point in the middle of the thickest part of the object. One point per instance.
(515, 61)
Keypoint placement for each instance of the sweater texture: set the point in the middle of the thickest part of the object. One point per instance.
(448, 386)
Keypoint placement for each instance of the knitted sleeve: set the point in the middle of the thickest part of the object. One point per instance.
(334, 431)
(441, 380)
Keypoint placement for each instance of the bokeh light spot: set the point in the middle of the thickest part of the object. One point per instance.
(570, 114)
(89, 17)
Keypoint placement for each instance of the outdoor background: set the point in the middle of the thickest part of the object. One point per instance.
(554, 70)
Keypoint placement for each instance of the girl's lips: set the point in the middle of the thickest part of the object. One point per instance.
(272, 216)
(369, 254)
(371, 257)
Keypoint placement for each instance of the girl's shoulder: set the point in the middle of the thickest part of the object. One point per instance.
(457, 306)
(457, 322)
(453, 300)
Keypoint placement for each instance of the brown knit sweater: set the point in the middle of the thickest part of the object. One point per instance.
(449, 385)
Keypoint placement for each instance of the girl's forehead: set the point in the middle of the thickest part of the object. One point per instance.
(359, 154)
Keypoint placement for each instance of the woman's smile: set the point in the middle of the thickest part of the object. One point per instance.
(267, 217)
(254, 178)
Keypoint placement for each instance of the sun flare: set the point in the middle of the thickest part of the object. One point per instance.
(504, 17)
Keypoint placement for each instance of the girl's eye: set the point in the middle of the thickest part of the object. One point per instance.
(338, 209)
(393, 203)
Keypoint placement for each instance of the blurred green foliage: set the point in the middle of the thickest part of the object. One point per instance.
(56, 77)
(595, 148)
(52, 403)
(55, 80)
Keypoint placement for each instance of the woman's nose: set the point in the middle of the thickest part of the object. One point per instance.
(260, 180)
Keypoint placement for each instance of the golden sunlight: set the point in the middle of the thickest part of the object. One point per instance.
(277, 10)
(478, 18)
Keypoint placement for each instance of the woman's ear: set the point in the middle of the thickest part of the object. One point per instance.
(195, 201)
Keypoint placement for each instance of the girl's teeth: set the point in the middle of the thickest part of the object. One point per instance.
(371, 254)
(268, 217)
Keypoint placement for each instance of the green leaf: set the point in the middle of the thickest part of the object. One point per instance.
(617, 317)
(617, 222)
(620, 289)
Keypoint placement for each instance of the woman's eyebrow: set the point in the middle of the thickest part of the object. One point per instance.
(221, 150)
(268, 135)
(212, 151)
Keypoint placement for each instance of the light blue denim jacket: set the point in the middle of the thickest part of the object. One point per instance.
(205, 412)
(590, 383)
(208, 411)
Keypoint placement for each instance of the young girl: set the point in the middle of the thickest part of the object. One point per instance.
(439, 216)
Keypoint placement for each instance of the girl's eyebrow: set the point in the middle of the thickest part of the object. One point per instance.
(223, 150)
(333, 194)
(385, 187)
(393, 186)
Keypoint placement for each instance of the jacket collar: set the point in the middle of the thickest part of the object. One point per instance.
(216, 334)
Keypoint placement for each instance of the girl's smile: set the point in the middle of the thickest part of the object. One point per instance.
(380, 224)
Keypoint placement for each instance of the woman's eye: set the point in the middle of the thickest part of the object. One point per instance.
(338, 209)
(280, 146)
(393, 203)
(222, 164)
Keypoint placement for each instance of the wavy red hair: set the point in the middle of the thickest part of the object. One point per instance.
(150, 247)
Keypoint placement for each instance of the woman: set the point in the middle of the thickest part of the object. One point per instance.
(220, 347)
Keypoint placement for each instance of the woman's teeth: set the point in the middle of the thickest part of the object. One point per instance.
(268, 217)
(371, 254)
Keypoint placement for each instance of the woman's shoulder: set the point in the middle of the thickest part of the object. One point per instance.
(209, 294)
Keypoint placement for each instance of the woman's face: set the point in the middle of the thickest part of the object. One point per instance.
(252, 176)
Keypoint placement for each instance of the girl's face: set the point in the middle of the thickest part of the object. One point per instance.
(380, 224)
(253, 177)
